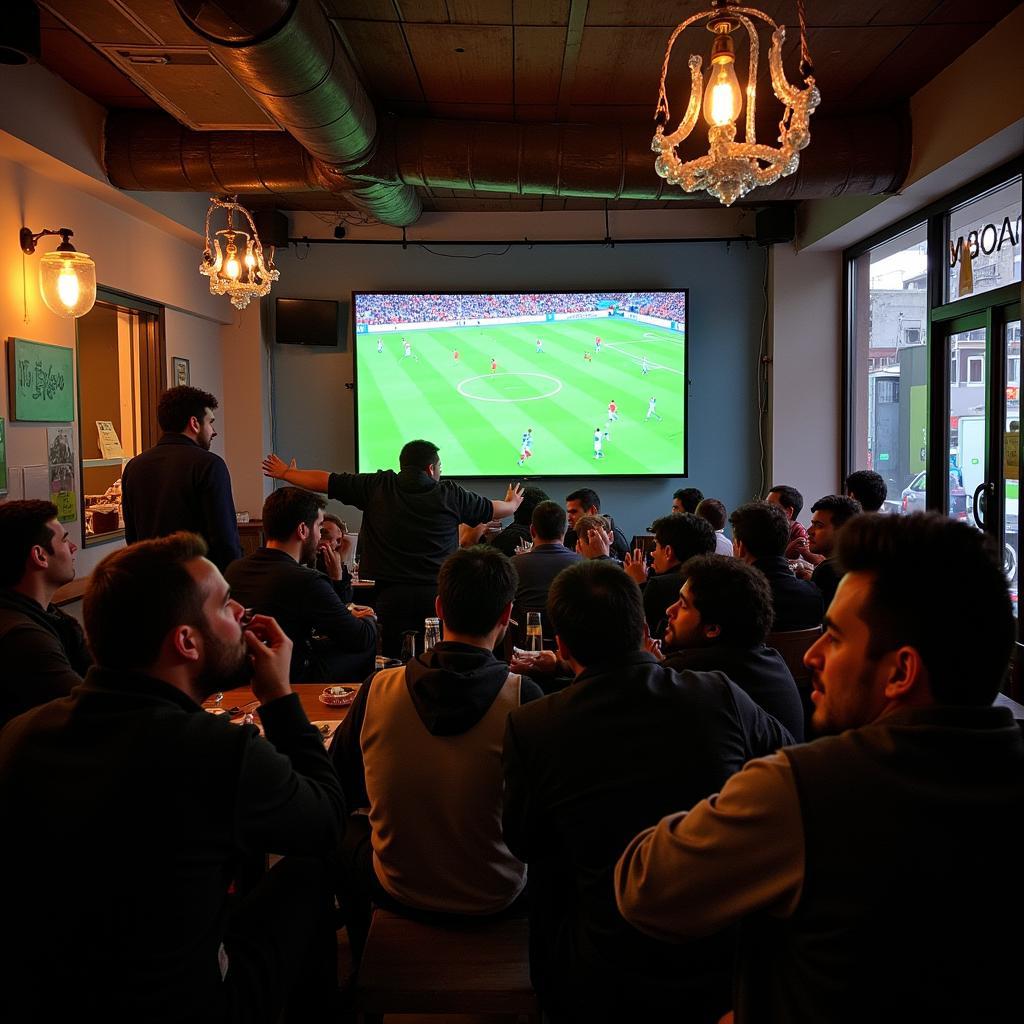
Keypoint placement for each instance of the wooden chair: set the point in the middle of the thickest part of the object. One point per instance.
(472, 968)
(793, 646)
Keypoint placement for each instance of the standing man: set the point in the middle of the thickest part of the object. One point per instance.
(526, 447)
(410, 526)
(652, 409)
(598, 454)
(179, 484)
(494, 364)
(862, 864)
(613, 411)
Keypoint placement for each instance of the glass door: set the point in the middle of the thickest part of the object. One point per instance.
(1008, 326)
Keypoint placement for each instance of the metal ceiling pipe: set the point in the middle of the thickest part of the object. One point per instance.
(287, 56)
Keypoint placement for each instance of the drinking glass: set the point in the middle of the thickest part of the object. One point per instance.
(534, 633)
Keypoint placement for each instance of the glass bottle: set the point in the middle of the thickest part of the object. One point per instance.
(431, 632)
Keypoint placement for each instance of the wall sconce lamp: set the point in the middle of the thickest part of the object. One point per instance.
(67, 278)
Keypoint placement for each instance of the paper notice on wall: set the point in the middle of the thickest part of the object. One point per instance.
(1011, 454)
(110, 443)
(60, 447)
(36, 482)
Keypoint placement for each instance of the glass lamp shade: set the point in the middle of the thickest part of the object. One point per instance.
(67, 282)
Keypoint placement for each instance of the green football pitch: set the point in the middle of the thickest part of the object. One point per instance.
(477, 416)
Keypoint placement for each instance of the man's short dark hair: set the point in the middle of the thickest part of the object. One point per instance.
(330, 517)
(762, 528)
(137, 595)
(789, 497)
(841, 508)
(23, 525)
(689, 498)
(475, 586)
(287, 507)
(419, 455)
(532, 497)
(868, 487)
(688, 534)
(713, 511)
(938, 586)
(596, 611)
(587, 497)
(732, 595)
(549, 521)
(178, 405)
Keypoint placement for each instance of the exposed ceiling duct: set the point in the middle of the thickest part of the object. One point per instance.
(153, 152)
(289, 59)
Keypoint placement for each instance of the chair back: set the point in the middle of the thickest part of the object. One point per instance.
(793, 646)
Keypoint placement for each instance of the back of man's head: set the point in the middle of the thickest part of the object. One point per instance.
(475, 586)
(548, 521)
(596, 611)
(532, 497)
(762, 528)
(419, 455)
(840, 508)
(686, 534)
(587, 497)
(137, 595)
(732, 595)
(23, 525)
(689, 498)
(789, 498)
(178, 405)
(286, 508)
(868, 488)
(937, 585)
(713, 511)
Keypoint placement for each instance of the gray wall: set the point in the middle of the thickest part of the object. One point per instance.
(314, 411)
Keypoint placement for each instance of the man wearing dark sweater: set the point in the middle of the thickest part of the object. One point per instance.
(861, 864)
(128, 809)
(42, 649)
(332, 643)
(828, 514)
(722, 613)
(179, 484)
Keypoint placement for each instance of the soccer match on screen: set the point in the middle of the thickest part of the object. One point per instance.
(549, 384)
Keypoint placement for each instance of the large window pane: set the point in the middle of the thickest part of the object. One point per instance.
(890, 362)
(984, 243)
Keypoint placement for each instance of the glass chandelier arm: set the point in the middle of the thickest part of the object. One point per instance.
(689, 120)
(752, 66)
(681, 27)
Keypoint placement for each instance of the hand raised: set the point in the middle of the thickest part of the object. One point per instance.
(270, 651)
(635, 565)
(275, 467)
(332, 561)
(593, 545)
(514, 494)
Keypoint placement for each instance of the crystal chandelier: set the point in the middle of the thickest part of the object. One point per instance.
(240, 275)
(731, 169)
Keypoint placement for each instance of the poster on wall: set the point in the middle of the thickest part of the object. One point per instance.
(40, 381)
(60, 447)
(180, 371)
(3, 458)
(109, 442)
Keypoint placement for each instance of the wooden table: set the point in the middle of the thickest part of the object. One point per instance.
(242, 697)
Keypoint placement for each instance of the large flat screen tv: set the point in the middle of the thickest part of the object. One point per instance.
(578, 384)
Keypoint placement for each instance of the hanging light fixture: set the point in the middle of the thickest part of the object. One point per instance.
(67, 278)
(731, 169)
(238, 269)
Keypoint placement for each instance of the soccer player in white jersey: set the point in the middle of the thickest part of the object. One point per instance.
(652, 409)
(598, 444)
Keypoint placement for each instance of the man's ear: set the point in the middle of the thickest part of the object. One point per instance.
(506, 614)
(38, 557)
(563, 652)
(669, 553)
(302, 531)
(187, 643)
(438, 610)
(194, 424)
(533, 532)
(712, 632)
(907, 678)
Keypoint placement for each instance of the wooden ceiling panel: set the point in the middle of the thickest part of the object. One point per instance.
(622, 66)
(430, 11)
(372, 10)
(473, 111)
(538, 63)
(538, 112)
(604, 113)
(480, 12)
(482, 72)
(100, 22)
(962, 11)
(628, 13)
(384, 59)
(542, 12)
(161, 17)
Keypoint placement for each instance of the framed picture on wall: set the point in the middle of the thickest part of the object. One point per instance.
(39, 381)
(179, 371)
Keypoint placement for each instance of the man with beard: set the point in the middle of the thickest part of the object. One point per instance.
(332, 642)
(863, 863)
(179, 484)
(128, 809)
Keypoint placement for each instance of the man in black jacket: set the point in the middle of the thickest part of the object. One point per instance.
(722, 613)
(128, 808)
(179, 484)
(760, 534)
(517, 533)
(331, 642)
(42, 650)
(587, 502)
(828, 514)
(589, 766)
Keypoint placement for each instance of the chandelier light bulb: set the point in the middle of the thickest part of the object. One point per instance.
(723, 98)
(232, 268)
(67, 286)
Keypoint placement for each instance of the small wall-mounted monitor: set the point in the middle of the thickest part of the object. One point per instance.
(318, 322)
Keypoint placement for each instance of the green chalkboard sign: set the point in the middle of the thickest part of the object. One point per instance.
(40, 381)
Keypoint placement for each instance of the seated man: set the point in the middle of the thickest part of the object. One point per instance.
(686, 499)
(128, 809)
(760, 534)
(330, 556)
(331, 643)
(589, 766)
(677, 538)
(587, 502)
(714, 512)
(518, 531)
(880, 840)
(719, 622)
(538, 567)
(421, 747)
(594, 538)
(42, 649)
(791, 501)
(828, 514)
(868, 488)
